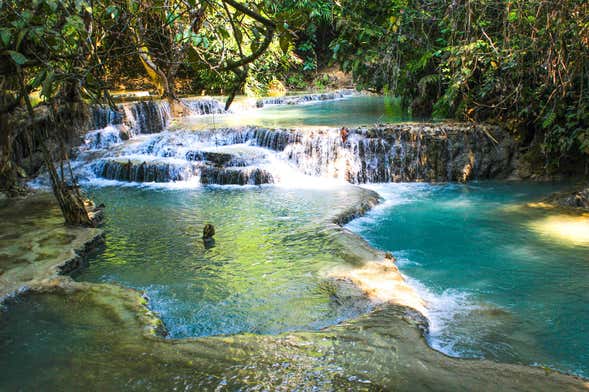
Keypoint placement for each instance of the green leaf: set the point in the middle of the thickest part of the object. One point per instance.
(21, 35)
(5, 36)
(17, 57)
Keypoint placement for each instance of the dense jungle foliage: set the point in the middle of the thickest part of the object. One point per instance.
(522, 64)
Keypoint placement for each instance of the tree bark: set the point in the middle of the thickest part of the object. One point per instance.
(71, 202)
(8, 175)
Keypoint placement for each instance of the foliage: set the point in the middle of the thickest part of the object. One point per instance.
(524, 64)
(521, 63)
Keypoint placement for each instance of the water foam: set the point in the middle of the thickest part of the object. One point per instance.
(443, 311)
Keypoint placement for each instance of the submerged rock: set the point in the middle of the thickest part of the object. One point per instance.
(35, 245)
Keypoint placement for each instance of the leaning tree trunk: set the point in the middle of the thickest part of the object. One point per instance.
(71, 202)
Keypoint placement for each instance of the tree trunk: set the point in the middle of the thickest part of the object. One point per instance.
(63, 122)
(7, 169)
(70, 200)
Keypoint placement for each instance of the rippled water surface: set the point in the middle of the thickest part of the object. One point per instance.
(263, 274)
(502, 281)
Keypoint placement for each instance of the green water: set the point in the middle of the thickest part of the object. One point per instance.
(265, 273)
(349, 111)
(92, 340)
(500, 285)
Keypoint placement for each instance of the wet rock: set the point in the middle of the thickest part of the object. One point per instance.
(572, 199)
(389, 256)
(142, 171)
(208, 231)
(216, 158)
(235, 176)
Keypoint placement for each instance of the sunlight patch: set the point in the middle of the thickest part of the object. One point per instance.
(567, 228)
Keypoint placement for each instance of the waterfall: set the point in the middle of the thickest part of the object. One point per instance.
(140, 117)
(101, 117)
(103, 138)
(112, 126)
(254, 155)
(143, 170)
(204, 106)
(404, 152)
(147, 116)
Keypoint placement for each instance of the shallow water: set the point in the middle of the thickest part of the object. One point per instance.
(349, 111)
(500, 281)
(96, 336)
(265, 272)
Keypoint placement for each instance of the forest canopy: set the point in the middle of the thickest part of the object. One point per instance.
(521, 64)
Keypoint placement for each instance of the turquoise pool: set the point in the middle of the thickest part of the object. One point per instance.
(503, 281)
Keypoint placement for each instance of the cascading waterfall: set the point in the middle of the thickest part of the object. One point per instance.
(103, 138)
(204, 106)
(144, 170)
(256, 155)
(397, 153)
(147, 117)
(101, 117)
(404, 152)
(111, 126)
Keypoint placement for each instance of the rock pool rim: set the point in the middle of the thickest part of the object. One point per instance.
(153, 327)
